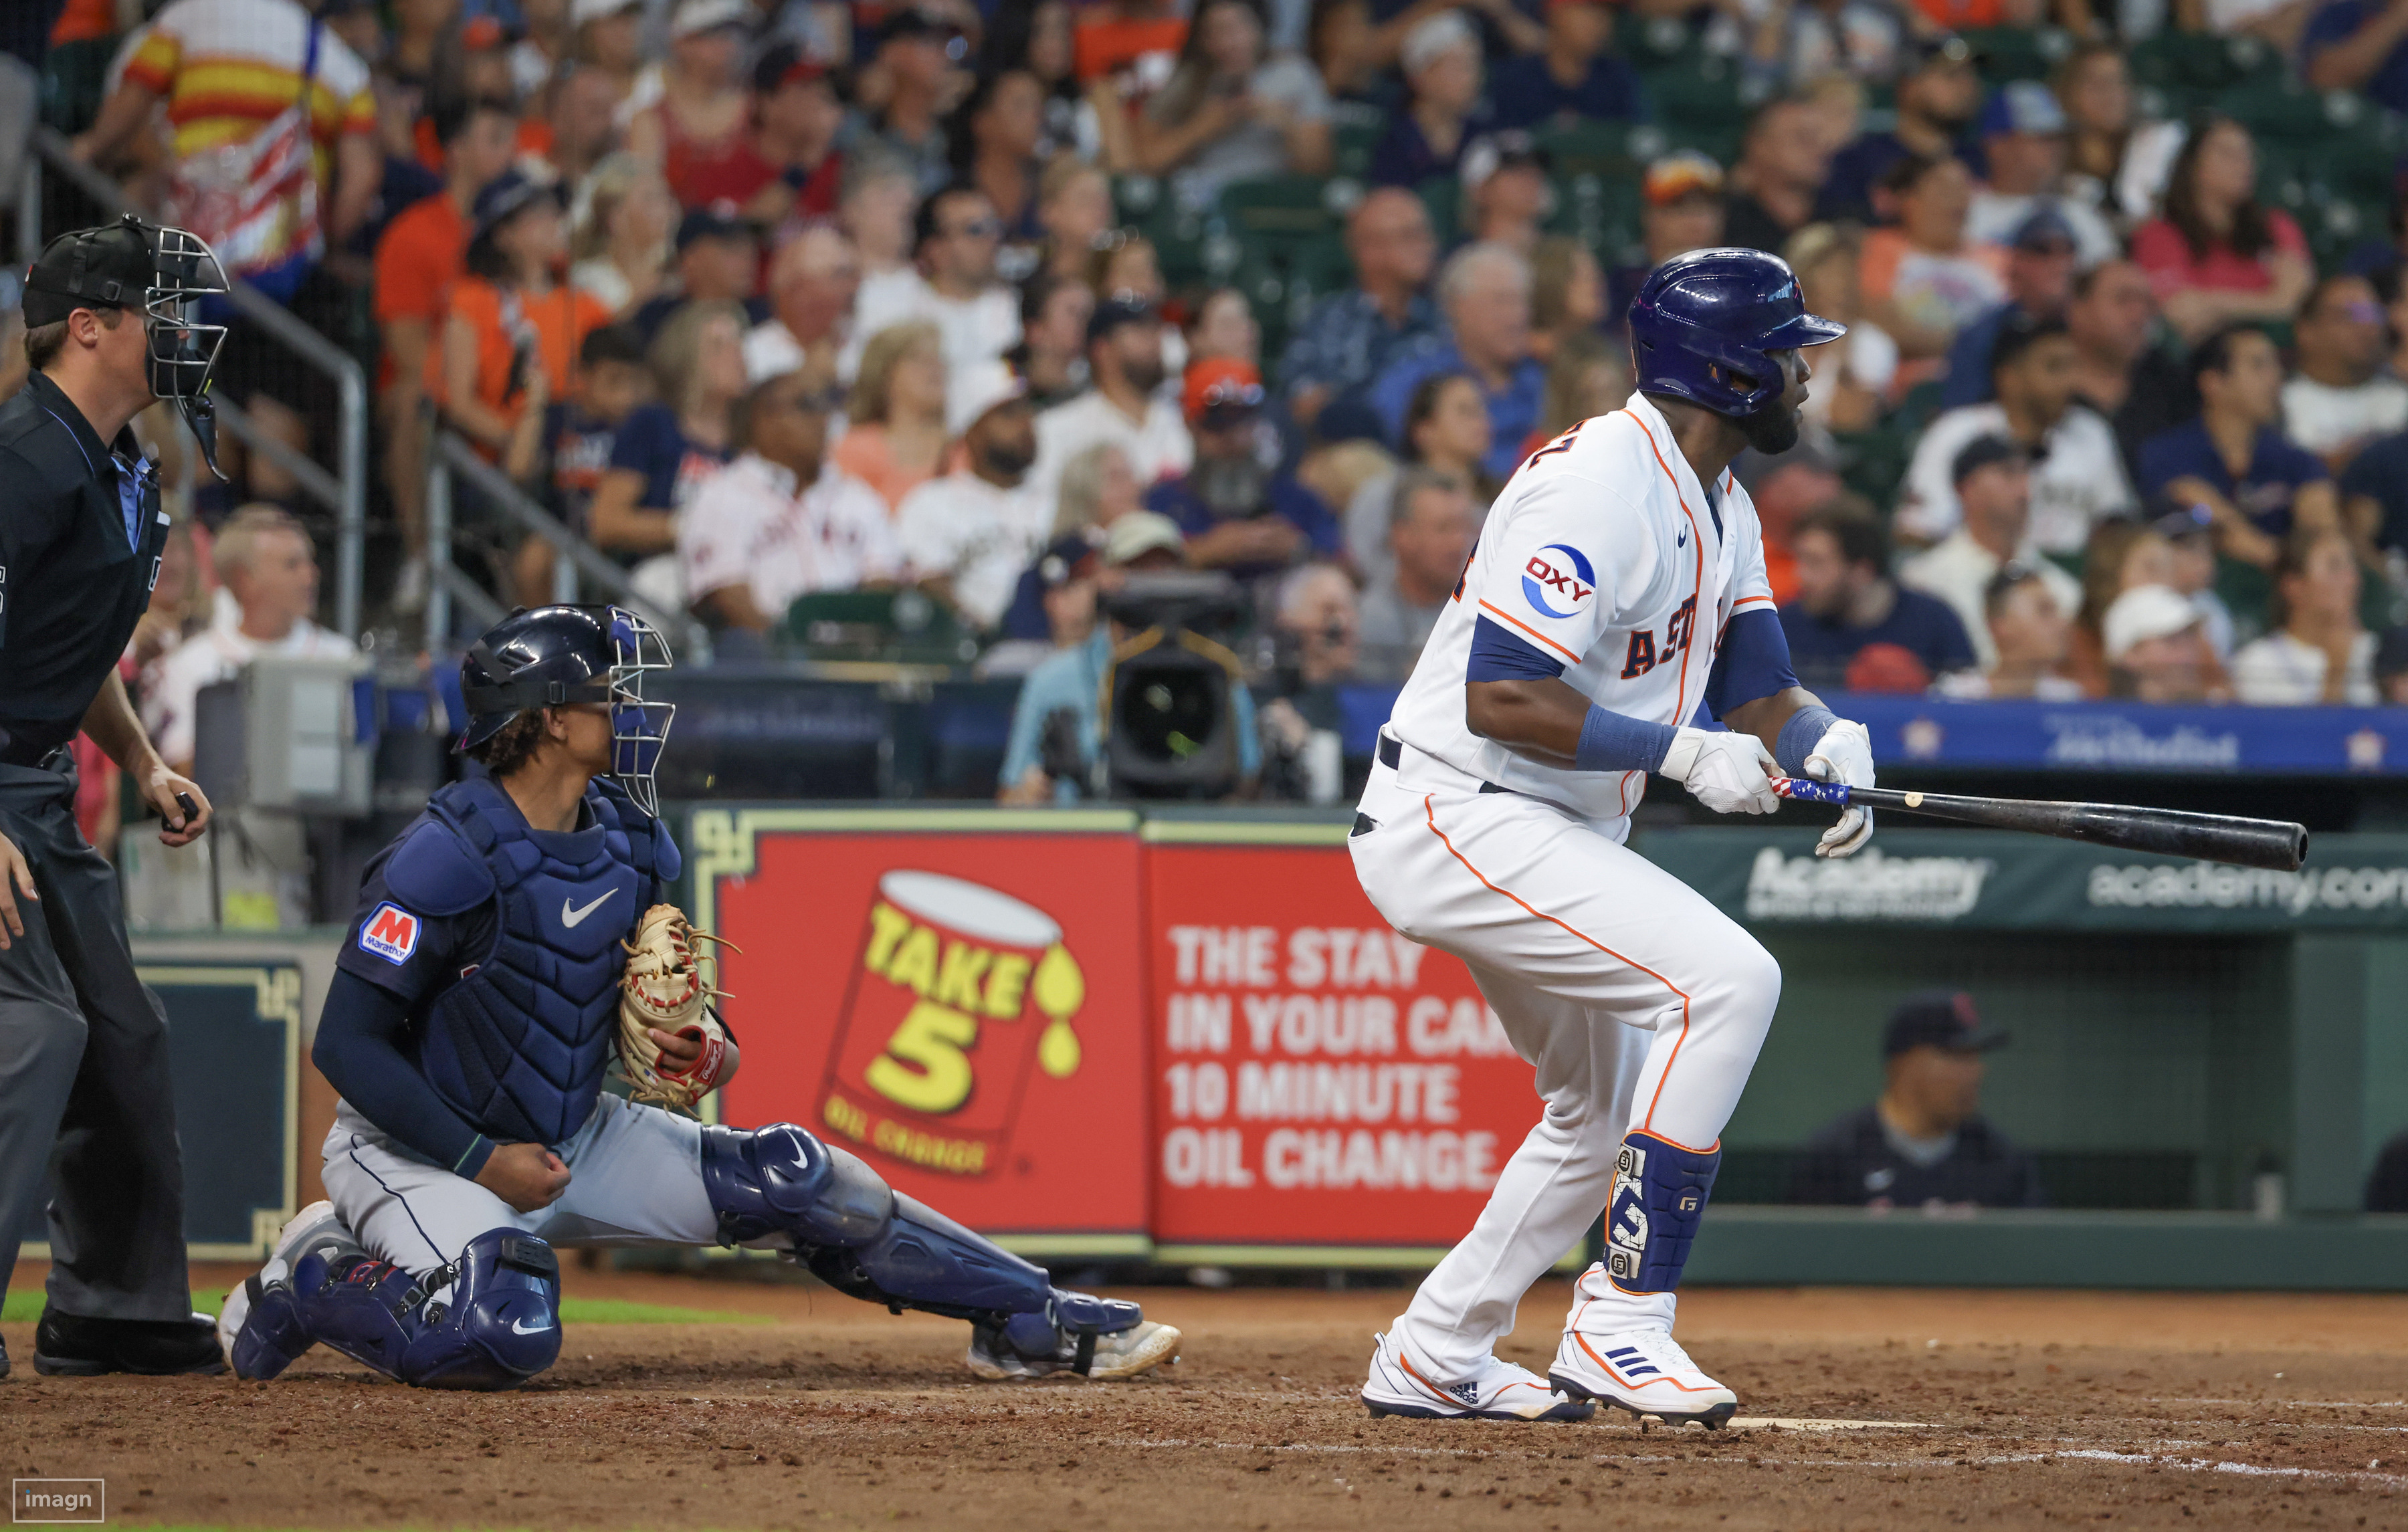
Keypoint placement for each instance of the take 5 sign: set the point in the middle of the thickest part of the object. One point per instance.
(1319, 1079)
(955, 1001)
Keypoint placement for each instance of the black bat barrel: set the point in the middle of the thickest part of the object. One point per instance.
(2269, 843)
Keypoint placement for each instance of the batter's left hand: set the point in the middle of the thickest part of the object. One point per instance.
(159, 794)
(1844, 754)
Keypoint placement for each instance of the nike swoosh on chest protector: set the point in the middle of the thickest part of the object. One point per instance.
(574, 918)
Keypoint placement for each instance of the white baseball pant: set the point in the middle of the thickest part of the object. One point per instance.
(1638, 1002)
(635, 1179)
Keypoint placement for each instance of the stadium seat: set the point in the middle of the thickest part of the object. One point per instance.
(2004, 53)
(1443, 196)
(2190, 65)
(875, 625)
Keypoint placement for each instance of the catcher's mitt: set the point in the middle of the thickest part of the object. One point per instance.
(664, 987)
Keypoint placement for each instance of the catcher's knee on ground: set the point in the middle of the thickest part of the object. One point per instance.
(863, 1237)
(489, 1320)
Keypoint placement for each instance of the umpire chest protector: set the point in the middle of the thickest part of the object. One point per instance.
(519, 1044)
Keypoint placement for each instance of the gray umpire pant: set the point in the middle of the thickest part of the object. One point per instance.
(83, 1076)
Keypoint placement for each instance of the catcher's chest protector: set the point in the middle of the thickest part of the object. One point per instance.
(521, 1043)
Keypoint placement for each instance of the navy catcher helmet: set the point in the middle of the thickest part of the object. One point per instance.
(1704, 324)
(552, 656)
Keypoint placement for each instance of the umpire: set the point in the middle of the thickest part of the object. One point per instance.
(111, 317)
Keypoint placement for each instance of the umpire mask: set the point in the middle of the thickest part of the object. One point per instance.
(164, 273)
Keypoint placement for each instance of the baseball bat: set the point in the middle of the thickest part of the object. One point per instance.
(2212, 837)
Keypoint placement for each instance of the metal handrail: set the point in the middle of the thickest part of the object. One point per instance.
(453, 454)
(349, 483)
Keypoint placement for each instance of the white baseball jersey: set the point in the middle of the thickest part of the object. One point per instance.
(1605, 554)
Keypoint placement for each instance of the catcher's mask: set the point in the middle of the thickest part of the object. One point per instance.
(162, 272)
(552, 656)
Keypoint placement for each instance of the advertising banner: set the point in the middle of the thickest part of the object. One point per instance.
(1983, 879)
(955, 996)
(1319, 1080)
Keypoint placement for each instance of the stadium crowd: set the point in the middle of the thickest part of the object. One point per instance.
(779, 302)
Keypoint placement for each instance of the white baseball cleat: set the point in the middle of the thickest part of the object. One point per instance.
(1500, 1391)
(309, 1223)
(1126, 1353)
(1643, 1371)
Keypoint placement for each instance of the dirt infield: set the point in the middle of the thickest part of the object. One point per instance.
(1991, 1410)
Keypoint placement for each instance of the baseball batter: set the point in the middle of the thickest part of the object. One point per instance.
(1616, 601)
(469, 1026)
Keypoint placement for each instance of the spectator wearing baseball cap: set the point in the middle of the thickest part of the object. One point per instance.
(2024, 139)
(1506, 195)
(1440, 59)
(2155, 649)
(610, 38)
(718, 260)
(1053, 722)
(1123, 403)
(1577, 79)
(1992, 475)
(1924, 1143)
(1937, 95)
(967, 536)
(1236, 512)
(1679, 209)
(2039, 265)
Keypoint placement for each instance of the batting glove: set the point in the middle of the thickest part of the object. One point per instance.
(1844, 754)
(1726, 772)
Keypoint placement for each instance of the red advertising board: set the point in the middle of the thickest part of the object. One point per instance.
(1318, 1080)
(955, 997)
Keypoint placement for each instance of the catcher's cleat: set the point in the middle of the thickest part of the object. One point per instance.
(1643, 1371)
(1124, 1353)
(1500, 1391)
(276, 1337)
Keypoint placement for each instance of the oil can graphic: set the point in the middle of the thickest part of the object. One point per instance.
(963, 994)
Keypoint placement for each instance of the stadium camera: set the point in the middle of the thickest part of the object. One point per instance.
(1167, 718)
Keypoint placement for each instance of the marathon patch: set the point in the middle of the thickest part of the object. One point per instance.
(391, 933)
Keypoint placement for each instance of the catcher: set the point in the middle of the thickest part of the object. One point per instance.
(505, 943)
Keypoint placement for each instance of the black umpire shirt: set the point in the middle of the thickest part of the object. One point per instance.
(80, 534)
(1852, 1162)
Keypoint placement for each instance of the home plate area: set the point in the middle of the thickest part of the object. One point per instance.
(684, 1401)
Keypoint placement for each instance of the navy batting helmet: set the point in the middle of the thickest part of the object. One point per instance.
(1703, 325)
(553, 656)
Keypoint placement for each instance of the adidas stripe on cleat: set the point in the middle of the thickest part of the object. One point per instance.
(1643, 1371)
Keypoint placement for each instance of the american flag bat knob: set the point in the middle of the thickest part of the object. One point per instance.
(1805, 791)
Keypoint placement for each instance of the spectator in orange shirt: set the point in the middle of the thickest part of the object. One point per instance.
(896, 441)
(510, 340)
(416, 263)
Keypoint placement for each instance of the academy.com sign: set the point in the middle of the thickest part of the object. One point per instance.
(1869, 886)
(2210, 886)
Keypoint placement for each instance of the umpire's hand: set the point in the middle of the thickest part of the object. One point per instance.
(160, 792)
(16, 877)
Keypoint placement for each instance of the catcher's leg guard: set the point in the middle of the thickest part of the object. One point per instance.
(498, 1326)
(1659, 1198)
(862, 1238)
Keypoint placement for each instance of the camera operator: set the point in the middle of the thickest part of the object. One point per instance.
(1316, 640)
(1055, 731)
(1238, 514)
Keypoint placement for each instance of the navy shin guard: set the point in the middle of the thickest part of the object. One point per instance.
(498, 1326)
(1659, 1198)
(862, 1238)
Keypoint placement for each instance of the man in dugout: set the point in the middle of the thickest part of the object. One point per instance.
(1924, 1143)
